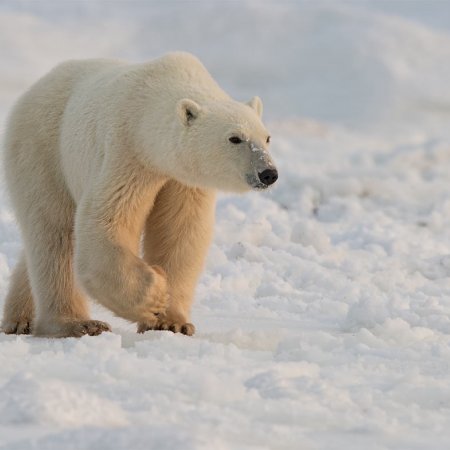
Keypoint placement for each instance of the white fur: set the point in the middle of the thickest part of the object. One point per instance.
(98, 152)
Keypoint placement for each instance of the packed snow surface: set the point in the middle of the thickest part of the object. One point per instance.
(323, 313)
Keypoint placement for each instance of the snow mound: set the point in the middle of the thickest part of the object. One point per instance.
(27, 400)
(336, 62)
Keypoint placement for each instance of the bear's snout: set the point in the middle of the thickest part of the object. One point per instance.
(268, 176)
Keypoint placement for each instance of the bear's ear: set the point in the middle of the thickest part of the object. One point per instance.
(188, 110)
(257, 105)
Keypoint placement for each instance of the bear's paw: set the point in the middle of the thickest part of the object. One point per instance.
(16, 327)
(164, 324)
(72, 328)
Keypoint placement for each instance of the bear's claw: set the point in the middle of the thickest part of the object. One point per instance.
(184, 328)
(90, 327)
(76, 329)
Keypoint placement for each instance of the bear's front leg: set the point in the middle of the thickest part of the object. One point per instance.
(177, 235)
(107, 229)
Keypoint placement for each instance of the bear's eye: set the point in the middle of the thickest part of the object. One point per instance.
(235, 140)
(268, 139)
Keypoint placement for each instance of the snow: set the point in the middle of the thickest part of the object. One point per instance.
(323, 314)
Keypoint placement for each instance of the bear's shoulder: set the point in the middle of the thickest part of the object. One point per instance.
(179, 58)
(184, 75)
(176, 60)
(176, 65)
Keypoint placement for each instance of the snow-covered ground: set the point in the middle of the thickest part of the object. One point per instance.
(323, 314)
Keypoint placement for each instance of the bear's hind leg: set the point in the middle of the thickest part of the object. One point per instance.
(18, 311)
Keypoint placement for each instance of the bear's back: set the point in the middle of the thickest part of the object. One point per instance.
(41, 107)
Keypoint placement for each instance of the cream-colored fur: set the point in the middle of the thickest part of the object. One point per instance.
(98, 153)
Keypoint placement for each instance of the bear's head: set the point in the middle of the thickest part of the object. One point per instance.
(224, 145)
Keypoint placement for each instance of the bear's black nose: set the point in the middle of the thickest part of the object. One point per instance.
(268, 176)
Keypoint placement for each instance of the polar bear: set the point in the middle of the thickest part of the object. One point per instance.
(112, 171)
